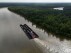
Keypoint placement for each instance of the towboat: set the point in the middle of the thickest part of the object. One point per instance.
(28, 31)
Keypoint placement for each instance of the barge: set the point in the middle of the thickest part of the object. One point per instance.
(29, 32)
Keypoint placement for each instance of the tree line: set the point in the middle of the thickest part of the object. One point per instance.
(54, 21)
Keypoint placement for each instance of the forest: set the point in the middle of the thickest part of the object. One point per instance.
(57, 22)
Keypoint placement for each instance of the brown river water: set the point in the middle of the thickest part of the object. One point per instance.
(14, 40)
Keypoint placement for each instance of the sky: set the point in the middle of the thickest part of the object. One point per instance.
(38, 1)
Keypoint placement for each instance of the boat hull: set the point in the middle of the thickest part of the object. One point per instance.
(29, 32)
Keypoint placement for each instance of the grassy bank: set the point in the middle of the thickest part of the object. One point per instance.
(54, 21)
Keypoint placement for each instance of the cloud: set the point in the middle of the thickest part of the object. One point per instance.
(35, 1)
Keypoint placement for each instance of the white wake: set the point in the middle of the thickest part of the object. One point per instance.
(52, 46)
(44, 45)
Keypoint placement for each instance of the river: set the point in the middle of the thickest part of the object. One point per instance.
(14, 40)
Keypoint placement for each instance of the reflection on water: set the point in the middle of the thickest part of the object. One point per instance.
(59, 8)
(14, 40)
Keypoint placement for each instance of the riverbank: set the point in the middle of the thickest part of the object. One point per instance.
(54, 21)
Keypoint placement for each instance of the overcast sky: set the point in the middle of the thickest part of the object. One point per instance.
(39, 1)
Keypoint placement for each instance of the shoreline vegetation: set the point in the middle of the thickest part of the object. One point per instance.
(57, 22)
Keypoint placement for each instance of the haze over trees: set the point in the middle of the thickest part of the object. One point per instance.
(55, 21)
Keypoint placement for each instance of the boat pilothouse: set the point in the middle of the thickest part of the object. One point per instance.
(29, 32)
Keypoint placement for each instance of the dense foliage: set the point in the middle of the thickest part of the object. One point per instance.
(54, 21)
